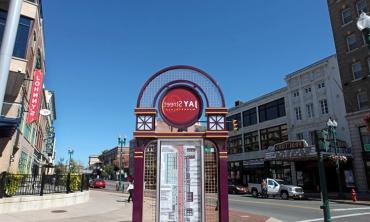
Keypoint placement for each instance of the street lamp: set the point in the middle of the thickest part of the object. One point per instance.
(332, 125)
(70, 152)
(121, 143)
(363, 24)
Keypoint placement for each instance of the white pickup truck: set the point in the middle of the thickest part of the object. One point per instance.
(277, 187)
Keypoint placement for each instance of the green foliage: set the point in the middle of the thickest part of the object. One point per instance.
(12, 184)
(75, 182)
(108, 170)
(101, 156)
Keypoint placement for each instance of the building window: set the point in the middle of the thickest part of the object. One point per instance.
(271, 110)
(321, 85)
(309, 110)
(296, 93)
(229, 121)
(235, 144)
(356, 70)
(250, 117)
(22, 164)
(251, 141)
(346, 16)
(312, 137)
(273, 135)
(362, 101)
(361, 6)
(299, 136)
(308, 90)
(298, 113)
(20, 46)
(351, 42)
(324, 106)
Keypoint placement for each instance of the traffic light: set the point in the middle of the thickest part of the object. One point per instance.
(235, 125)
(323, 140)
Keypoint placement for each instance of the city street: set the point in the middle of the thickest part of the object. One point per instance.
(297, 210)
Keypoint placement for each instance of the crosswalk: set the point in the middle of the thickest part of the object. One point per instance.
(349, 212)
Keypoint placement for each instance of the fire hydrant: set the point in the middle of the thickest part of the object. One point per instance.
(354, 195)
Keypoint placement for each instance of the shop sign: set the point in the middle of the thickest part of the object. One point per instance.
(367, 147)
(35, 97)
(291, 154)
(287, 145)
(253, 162)
(181, 107)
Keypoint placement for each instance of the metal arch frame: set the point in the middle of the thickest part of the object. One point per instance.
(170, 84)
(180, 67)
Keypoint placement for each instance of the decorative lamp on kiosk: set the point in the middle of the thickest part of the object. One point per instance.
(170, 139)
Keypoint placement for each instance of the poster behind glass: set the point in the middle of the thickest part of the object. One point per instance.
(180, 187)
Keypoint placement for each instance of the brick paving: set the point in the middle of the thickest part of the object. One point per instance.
(235, 216)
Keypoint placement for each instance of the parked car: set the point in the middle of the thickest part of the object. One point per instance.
(276, 187)
(237, 189)
(97, 183)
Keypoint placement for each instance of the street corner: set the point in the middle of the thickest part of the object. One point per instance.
(247, 217)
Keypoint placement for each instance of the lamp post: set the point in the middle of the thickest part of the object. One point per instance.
(70, 152)
(321, 144)
(121, 143)
(363, 24)
(332, 125)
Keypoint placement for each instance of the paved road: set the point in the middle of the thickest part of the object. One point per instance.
(298, 210)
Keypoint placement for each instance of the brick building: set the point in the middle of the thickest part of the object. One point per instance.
(354, 66)
(26, 146)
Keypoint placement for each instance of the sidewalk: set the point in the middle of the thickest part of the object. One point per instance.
(107, 207)
(102, 206)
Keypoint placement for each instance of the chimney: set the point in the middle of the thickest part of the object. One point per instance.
(238, 102)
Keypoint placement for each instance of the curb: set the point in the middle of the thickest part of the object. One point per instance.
(273, 219)
(363, 203)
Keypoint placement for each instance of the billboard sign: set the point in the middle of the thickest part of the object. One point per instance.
(180, 106)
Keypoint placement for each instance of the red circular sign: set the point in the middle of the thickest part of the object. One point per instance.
(180, 107)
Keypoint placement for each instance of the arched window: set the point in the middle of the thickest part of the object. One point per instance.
(34, 41)
(38, 64)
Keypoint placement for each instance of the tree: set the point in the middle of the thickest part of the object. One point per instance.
(60, 167)
(101, 156)
(107, 170)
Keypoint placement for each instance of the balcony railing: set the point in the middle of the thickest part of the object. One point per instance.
(28, 184)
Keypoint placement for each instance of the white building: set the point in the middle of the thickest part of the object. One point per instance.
(277, 130)
(314, 95)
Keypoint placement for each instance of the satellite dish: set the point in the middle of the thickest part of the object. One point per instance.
(45, 112)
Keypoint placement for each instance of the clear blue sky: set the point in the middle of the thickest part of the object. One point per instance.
(99, 54)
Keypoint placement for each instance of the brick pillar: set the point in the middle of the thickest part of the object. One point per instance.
(138, 196)
(223, 185)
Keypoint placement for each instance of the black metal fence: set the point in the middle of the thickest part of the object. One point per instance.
(28, 184)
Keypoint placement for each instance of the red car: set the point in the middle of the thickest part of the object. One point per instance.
(97, 183)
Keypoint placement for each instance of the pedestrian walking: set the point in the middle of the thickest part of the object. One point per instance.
(130, 190)
(264, 188)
